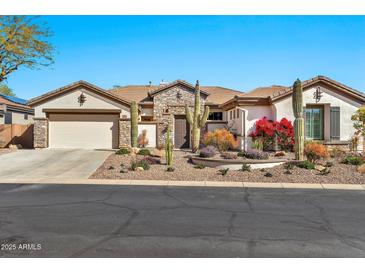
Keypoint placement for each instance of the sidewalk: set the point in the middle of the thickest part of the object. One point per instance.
(185, 183)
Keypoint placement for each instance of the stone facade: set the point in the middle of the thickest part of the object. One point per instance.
(40, 133)
(124, 132)
(172, 102)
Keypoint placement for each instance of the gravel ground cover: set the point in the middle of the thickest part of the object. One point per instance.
(184, 171)
(5, 150)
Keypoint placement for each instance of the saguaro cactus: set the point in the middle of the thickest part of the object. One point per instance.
(299, 120)
(196, 121)
(168, 147)
(134, 124)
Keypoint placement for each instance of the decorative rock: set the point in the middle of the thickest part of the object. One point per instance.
(139, 168)
(319, 167)
(134, 150)
(361, 169)
(158, 153)
(13, 146)
(280, 154)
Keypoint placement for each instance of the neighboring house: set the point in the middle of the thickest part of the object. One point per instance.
(82, 115)
(14, 110)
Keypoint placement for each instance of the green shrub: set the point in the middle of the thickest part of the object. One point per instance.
(141, 163)
(268, 174)
(289, 166)
(306, 165)
(170, 169)
(245, 167)
(223, 171)
(353, 160)
(199, 166)
(123, 151)
(241, 153)
(144, 151)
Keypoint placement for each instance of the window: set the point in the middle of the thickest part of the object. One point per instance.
(230, 115)
(314, 123)
(234, 114)
(215, 116)
(25, 116)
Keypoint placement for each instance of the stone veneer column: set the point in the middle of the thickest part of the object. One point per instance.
(162, 129)
(124, 132)
(40, 132)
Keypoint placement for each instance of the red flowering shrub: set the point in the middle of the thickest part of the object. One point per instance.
(267, 130)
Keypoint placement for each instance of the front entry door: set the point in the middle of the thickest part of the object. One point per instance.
(182, 132)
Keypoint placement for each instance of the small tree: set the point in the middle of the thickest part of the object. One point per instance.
(23, 43)
(4, 89)
(359, 121)
(142, 139)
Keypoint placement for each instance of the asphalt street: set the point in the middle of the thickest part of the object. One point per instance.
(139, 221)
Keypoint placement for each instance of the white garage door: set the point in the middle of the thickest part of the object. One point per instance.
(89, 131)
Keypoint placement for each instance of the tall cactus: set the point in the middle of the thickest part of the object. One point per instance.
(299, 120)
(196, 121)
(134, 124)
(168, 147)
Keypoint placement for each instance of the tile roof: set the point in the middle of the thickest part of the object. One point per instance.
(217, 95)
(265, 91)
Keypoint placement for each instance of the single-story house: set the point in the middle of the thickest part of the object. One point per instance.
(14, 110)
(82, 115)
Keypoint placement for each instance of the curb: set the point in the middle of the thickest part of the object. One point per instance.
(186, 183)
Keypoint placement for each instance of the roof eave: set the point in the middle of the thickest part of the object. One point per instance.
(38, 100)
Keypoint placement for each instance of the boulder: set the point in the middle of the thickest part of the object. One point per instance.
(19, 146)
(361, 169)
(319, 167)
(134, 150)
(139, 168)
(280, 154)
(158, 153)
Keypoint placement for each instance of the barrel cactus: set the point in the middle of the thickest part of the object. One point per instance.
(299, 120)
(168, 147)
(134, 124)
(196, 120)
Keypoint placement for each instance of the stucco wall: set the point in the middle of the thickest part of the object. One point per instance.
(329, 99)
(18, 118)
(70, 101)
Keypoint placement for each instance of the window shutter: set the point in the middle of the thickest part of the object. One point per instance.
(335, 123)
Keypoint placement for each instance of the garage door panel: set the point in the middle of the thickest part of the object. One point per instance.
(91, 131)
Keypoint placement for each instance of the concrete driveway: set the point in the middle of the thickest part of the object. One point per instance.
(51, 164)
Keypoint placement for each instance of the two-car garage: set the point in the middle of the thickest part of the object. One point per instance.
(89, 131)
(80, 115)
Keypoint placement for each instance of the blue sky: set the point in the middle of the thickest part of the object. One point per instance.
(239, 52)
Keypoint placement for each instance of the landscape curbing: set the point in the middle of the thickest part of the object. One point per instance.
(187, 183)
